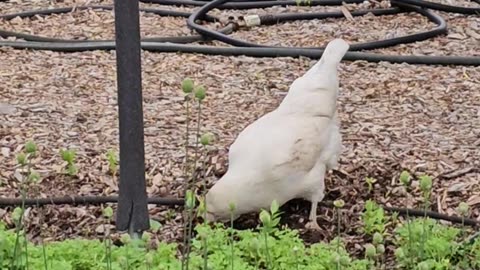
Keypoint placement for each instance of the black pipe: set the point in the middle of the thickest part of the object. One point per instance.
(440, 29)
(440, 7)
(253, 52)
(62, 10)
(432, 214)
(253, 4)
(171, 201)
(181, 39)
(227, 51)
(228, 29)
(80, 200)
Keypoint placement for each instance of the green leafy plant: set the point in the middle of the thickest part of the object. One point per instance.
(112, 162)
(374, 219)
(69, 156)
(426, 187)
(24, 160)
(438, 248)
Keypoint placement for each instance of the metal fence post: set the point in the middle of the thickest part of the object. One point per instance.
(132, 212)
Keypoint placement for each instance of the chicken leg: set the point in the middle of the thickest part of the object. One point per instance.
(316, 182)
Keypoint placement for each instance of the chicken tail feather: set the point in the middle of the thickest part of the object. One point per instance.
(331, 57)
(335, 51)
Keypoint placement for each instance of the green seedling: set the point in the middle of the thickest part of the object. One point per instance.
(370, 181)
(374, 219)
(112, 162)
(69, 157)
(405, 178)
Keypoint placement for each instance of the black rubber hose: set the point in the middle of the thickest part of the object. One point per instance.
(440, 7)
(80, 200)
(253, 52)
(253, 4)
(62, 10)
(271, 19)
(432, 214)
(169, 201)
(228, 29)
(440, 29)
(180, 39)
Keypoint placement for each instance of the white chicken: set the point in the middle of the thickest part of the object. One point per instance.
(286, 153)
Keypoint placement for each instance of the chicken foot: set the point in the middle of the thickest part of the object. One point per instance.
(316, 181)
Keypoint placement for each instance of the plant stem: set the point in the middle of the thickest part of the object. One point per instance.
(42, 218)
(26, 249)
(205, 241)
(185, 170)
(409, 237)
(231, 238)
(106, 240)
(269, 262)
(338, 236)
(187, 135)
(20, 219)
(194, 178)
(424, 232)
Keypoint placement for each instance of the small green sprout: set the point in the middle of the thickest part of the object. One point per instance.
(22, 159)
(146, 237)
(69, 157)
(231, 207)
(202, 207)
(339, 203)
(17, 214)
(31, 147)
(405, 178)
(370, 251)
(380, 249)
(187, 85)
(370, 181)
(377, 238)
(190, 199)
(34, 176)
(270, 219)
(149, 258)
(265, 217)
(112, 161)
(108, 212)
(463, 208)
(425, 265)
(425, 183)
(206, 139)
(155, 225)
(200, 92)
(399, 253)
(125, 238)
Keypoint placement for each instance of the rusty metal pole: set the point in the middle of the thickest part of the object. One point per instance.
(132, 212)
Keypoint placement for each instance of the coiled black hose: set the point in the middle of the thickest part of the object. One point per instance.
(253, 52)
(180, 39)
(269, 19)
(166, 44)
(440, 7)
(252, 4)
